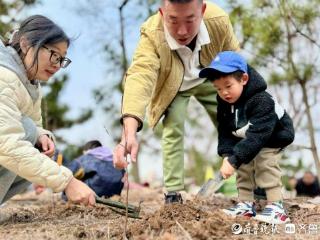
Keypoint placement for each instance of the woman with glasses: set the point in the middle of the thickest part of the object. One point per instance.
(34, 53)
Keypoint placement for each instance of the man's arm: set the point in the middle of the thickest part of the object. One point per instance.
(140, 79)
(138, 86)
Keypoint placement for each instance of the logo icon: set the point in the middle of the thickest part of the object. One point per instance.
(290, 228)
(236, 228)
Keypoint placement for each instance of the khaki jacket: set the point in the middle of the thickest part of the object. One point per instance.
(16, 154)
(156, 72)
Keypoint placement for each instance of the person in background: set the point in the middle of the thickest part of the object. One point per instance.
(95, 168)
(308, 185)
(35, 52)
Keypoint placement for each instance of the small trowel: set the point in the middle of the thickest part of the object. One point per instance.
(211, 186)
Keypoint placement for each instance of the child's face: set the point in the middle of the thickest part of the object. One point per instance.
(229, 88)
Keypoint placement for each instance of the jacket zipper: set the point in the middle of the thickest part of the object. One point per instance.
(236, 115)
(236, 118)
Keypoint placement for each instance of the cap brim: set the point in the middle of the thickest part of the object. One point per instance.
(210, 71)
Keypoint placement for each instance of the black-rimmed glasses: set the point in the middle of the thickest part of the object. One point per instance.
(57, 58)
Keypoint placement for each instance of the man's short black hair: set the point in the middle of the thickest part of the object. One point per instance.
(215, 75)
(91, 144)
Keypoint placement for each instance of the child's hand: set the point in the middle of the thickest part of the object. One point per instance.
(226, 169)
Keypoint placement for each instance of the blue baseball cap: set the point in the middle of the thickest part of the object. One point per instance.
(225, 62)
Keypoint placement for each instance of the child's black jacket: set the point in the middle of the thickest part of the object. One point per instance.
(254, 122)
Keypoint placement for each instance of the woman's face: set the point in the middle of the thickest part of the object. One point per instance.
(50, 58)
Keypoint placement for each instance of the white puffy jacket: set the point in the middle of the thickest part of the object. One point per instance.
(19, 97)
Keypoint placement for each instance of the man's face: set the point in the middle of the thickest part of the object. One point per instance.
(183, 19)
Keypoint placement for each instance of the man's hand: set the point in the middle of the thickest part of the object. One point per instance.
(226, 169)
(128, 145)
(46, 145)
(79, 192)
(119, 153)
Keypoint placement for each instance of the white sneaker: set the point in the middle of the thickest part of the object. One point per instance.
(273, 214)
(245, 209)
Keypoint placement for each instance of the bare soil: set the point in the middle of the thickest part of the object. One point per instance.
(47, 217)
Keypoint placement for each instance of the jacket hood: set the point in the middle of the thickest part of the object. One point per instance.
(255, 84)
(101, 153)
(11, 60)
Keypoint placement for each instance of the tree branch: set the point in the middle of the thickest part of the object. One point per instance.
(299, 30)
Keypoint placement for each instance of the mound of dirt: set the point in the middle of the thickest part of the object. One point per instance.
(51, 218)
(183, 220)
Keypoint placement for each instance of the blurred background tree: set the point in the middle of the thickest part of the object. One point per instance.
(54, 112)
(8, 11)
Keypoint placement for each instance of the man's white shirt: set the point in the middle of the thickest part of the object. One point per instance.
(190, 58)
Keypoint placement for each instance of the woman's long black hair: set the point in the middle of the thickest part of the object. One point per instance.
(38, 31)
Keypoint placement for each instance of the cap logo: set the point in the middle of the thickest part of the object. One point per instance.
(217, 59)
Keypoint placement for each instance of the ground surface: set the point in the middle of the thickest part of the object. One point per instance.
(46, 217)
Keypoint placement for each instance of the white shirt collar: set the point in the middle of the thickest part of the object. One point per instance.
(202, 38)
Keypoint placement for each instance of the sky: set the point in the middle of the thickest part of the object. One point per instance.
(89, 69)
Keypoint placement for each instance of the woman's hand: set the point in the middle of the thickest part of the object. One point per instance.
(46, 145)
(38, 188)
(226, 169)
(79, 192)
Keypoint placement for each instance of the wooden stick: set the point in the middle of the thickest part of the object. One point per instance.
(127, 182)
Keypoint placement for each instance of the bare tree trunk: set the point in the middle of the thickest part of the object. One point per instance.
(311, 128)
(135, 167)
(302, 82)
(122, 39)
